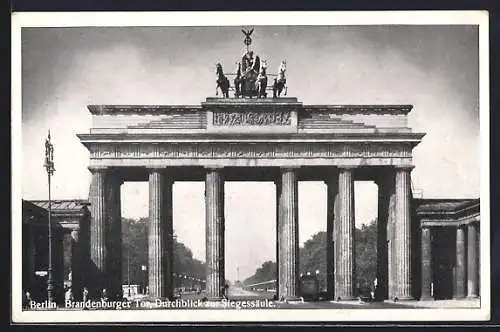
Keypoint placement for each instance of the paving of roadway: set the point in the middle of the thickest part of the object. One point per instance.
(239, 294)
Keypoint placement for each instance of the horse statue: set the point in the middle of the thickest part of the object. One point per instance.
(237, 81)
(280, 81)
(222, 82)
(261, 82)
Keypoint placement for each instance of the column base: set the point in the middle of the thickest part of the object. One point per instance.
(294, 299)
(289, 298)
(458, 297)
(403, 298)
(426, 298)
(472, 297)
(347, 298)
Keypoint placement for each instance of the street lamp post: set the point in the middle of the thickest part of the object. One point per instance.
(49, 166)
(128, 272)
(144, 274)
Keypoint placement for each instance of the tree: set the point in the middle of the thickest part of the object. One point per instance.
(134, 249)
(135, 254)
(312, 257)
(266, 272)
(366, 254)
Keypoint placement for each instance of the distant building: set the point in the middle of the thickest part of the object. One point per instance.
(70, 225)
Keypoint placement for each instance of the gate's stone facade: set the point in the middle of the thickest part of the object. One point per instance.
(268, 139)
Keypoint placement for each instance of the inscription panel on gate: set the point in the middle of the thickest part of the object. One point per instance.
(252, 118)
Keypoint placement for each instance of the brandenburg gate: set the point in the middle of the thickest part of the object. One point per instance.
(253, 137)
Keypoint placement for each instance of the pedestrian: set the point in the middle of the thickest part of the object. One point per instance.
(373, 291)
(85, 293)
(26, 300)
(68, 296)
(104, 295)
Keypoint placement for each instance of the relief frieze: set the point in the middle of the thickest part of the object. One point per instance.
(249, 150)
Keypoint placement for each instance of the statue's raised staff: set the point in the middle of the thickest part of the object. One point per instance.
(222, 82)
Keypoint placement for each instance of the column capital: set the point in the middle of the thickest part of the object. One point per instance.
(289, 168)
(347, 167)
(404, 167)
(214, 168)
(97, 168)
(474, 222)
(155, 168)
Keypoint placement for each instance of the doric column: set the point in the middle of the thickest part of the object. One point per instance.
(159, 235)
(472, 272)
(76, 265)
(391, 257)
(114, 242)
(288, 236)
(277, 184)
(332, 198)
(344, 238)
(169, 236)
(83, 250)
(98, 232)
(460, 263)
(67, 251)
(426, 269)
(402, 232)
(381, 291)
(214, 203)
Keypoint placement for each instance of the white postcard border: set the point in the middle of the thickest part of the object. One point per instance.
(37, 19)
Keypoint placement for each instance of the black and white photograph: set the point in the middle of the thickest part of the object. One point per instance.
(250, 166)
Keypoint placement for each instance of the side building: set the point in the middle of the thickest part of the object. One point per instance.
(450, 247)
(70, 226)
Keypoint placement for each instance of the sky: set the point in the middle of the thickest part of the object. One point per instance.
(434, 68)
